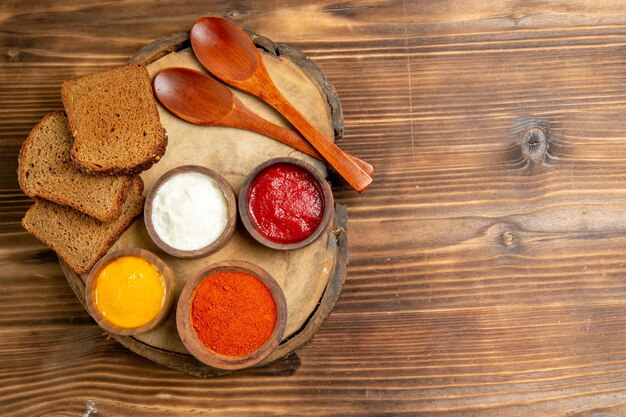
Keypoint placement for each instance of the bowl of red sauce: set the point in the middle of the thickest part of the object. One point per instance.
(285, 203)
(231, 315)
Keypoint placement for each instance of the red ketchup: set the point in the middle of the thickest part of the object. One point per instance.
(285, 203)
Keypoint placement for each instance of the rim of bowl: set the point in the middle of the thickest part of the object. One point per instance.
(168, 284)
(195, 346)
(218, 243)
(327, 195)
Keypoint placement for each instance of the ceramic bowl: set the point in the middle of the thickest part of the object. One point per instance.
(217, 244)
(168, 282)
(203, 353)
(247, 221)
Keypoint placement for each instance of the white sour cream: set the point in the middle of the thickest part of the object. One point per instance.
(189, 211)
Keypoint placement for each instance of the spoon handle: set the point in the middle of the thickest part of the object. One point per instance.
(295, 140)
(244, 118)
(348, 168)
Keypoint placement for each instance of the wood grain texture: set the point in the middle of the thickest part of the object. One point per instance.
(481, 281)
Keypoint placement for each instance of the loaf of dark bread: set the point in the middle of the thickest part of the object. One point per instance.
(46, 170)
(114, 121)
(77, 238)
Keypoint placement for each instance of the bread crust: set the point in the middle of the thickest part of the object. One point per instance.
(25, 145)
(119, 198)
(106, 245)
(89, 167)
(144, 166)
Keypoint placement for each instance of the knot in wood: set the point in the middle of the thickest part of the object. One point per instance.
(13, 55)
(507, 238)
(338, 231)
(235, 13)
(534, 144)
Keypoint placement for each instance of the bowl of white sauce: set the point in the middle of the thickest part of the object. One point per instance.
(191, 211)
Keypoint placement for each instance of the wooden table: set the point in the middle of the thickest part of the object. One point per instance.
(488, 260)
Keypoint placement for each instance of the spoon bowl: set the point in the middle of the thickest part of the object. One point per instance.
(224, 46)
(193, 96)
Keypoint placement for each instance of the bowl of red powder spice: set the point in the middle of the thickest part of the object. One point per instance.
(285, 203)
(231, 315)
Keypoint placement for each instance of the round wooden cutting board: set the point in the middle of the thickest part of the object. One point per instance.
(311, 277)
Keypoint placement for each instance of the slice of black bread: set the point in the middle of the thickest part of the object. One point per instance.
(77, 238)
(114, 121)
(46, 170)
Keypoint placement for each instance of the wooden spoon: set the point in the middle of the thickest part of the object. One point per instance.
(198, 98)
(227, 52)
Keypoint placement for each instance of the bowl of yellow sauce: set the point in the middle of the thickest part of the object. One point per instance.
(130, 291)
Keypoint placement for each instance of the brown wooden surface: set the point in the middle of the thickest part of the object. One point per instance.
(485, 277)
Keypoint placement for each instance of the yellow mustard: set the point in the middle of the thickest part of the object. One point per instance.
(129, 292)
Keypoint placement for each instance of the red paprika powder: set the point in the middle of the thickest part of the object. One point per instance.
(233, 313)
(285, 203)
